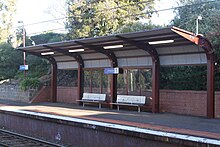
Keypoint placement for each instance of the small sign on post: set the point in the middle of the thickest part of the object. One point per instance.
(23, 67)
(115, 70)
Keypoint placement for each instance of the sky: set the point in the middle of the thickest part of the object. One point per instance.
(164, 17)
(31, 12)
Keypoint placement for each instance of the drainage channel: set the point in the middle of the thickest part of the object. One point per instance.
(11, 139)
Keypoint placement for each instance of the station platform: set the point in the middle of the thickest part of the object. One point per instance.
(165, 127)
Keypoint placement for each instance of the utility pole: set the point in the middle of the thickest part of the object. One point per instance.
(197, 24)
(24, 42)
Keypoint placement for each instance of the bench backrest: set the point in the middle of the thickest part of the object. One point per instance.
(131, 99)
(94, 96)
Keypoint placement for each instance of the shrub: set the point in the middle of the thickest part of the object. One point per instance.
(28, 83)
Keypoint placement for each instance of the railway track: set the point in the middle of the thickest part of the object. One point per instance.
(11, 139)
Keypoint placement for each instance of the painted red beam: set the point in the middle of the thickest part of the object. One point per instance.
(80, 62)
(54, 82)
(207, 47)
(114, 63)
(155, 69)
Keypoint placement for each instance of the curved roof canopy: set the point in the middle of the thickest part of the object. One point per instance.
(170, 46)
(148, 49)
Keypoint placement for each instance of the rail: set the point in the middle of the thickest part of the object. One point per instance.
(11, 139)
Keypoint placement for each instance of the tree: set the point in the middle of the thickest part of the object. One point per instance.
(209, 25)
(183, 78)
(89, 18)
(10, 59)
(7, 9)
(38, 66)
(186, 77)
(46, 38)
(137, 26)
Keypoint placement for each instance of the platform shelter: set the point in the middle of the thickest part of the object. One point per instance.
(150, 49)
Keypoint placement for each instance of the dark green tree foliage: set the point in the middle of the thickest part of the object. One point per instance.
(38, 66)
(186, 77)
(210, 23)
(67, 78)
(183, 78)
(46, 38)
(10, 59)
(89, 18)
(135, 27)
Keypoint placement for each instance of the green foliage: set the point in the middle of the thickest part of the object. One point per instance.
(186, 77)
(37, 66)
(135, 27)
(7, 9)
(183, 78)
(67, 77)
(103, 17)
(10, 59)
(210, 23)
(46, 38)
(38, 39)
(28, 83)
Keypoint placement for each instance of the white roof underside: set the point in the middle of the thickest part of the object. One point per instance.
(180, 52)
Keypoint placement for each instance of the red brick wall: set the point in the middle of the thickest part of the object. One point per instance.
(173, 101)
(67, 94)
(187, 102)
(64, 94)
(217, 104)
(44, 95)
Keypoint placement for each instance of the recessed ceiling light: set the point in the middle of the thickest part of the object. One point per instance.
(113, 46)
(161, 42)
(47, 53)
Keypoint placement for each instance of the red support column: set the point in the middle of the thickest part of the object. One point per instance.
(155, 86)
(210, 53)
(210, 88)
(113, 89)
(54, 82)
(80, 82)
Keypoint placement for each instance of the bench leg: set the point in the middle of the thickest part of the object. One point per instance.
(118, 107)
(83, 105)
(100, 105)
(139, 109)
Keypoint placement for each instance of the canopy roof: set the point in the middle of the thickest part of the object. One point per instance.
(148, 49)
(178, 47)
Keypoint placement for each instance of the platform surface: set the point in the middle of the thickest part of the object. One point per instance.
(187, 125)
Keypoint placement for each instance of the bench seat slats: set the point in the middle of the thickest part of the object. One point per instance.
(129, 100)
(93, 98)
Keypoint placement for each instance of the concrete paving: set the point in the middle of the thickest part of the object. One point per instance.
(189, 125)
